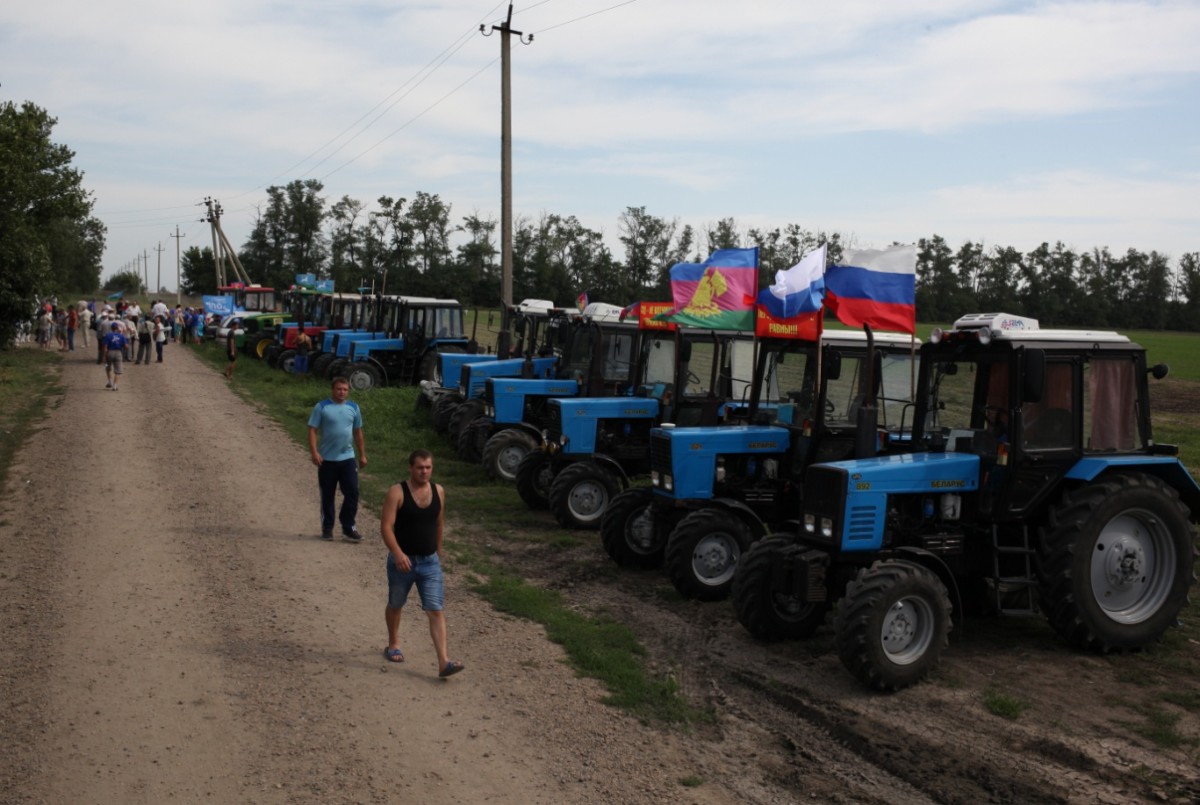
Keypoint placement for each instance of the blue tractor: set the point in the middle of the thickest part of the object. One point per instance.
(716, 490)
(591, 360)
(1034, 485)
(593, 447)
(541, 331)
(417, 330)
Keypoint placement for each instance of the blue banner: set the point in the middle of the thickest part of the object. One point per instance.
(221, 305)
(306, 280)
(325, 285)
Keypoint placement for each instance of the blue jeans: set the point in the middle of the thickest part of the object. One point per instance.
(426, 573)
(331, 475)
(300, 363)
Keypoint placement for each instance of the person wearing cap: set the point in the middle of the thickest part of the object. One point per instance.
(113, 346)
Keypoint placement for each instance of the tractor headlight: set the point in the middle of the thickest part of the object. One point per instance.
(669, 483)
(655, 478)
(827, 527)
(810, 524)
(720, 470)
(489, 411)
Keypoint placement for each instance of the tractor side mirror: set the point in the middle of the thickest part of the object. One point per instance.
(1159, 370)
(1033, 381)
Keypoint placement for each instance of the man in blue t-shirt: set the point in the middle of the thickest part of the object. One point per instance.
(112, 348)
(334, 430)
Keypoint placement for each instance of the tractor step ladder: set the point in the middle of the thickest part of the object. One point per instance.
(1014, 587)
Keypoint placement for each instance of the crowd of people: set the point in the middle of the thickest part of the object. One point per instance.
(142, 333)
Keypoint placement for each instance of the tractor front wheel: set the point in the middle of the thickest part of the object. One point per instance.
(1117, 563)
(893, 624)
(535, 473)
(629, 532)
(703, 551)
(767, 613)
(581, 493)
(442, 410)
(503, 452)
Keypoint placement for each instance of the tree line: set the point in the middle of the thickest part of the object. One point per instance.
(51, 244)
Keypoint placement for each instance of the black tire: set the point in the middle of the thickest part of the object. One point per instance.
(364, 376)
(423, 403)
(443, 409)
(285, 361)
(271, 356)
(471, 440)
(766, 613)
(319, 367)
(338, 368)
(893, 624)
(504, 451)
(1116, 561)
(628, 530)
(703, 551)
(462, 417)
(535, 474)
(435, 374)
(581, 493)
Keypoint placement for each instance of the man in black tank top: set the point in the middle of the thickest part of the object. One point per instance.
(411, 524)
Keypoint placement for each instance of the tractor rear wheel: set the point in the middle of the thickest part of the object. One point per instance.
(703, 551)
(1117, 563)
(320, 365)
(769, 614)
(893, 624)
(443, 409)
(503, 452)
(535, 473)
(581, 493)
(628, 530)
(463, 416)
(472, 439)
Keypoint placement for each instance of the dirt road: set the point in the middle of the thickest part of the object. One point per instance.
(174, 630)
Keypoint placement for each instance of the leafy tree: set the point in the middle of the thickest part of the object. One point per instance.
(650, 249)
(477, 260)
(937, 284)
(722, 235)
(198, 271)
(287, 239)
(130, 282)
(48, 242)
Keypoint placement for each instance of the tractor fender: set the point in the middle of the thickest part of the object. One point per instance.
(758, 529)
(613, 466)
(935, 563)
(1168, 469)
(371, 359)
(526, 427)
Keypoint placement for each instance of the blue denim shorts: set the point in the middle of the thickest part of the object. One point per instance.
(426, 573)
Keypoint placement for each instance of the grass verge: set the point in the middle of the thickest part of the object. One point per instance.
(29, 382)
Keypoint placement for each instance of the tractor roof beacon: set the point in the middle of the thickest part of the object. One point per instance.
(1035, 485)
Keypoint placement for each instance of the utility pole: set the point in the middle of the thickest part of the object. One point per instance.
(178, 286)
(146, 267)
(212, 218)
(158, 285)
(506, 255)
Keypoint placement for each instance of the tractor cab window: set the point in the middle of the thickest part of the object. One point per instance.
(705, 355)
(618, 357)
(741, 359)
(895, 388)
(1110, 405)
(445, 322)
(659, 357)
(1049, 424)
(578, 360)
(844, 394)
(952, 395)
(789, 378)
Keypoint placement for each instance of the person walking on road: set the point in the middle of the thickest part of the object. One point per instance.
(411, 525)
(113, 346)
(160, 336)
(144, 333)
(335, 428)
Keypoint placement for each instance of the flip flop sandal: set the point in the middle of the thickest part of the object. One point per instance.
(393, 655)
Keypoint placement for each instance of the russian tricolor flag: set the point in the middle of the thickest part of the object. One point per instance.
(800, 289)
(875, 287)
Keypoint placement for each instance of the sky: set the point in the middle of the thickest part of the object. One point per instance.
(1006, 123)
